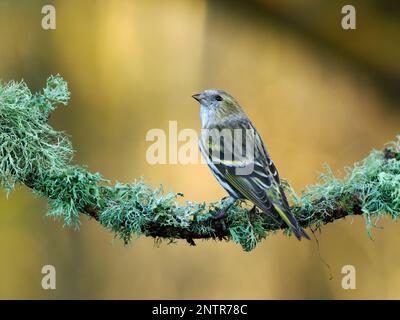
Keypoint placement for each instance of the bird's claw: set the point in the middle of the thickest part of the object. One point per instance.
(253, 212)
(222, 213)
(219, 214)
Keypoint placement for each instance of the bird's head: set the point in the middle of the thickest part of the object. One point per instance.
(217, 106)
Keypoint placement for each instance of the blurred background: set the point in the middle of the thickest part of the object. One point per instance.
(317, 94)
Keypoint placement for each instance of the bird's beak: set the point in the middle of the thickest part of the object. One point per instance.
(198, 96)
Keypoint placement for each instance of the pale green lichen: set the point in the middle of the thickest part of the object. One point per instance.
(33, 153)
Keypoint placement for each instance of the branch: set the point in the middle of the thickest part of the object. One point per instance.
(34, 154)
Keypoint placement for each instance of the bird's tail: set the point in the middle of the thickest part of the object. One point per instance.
(291, 221)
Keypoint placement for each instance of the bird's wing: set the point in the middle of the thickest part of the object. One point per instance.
(244, 168)
(244, 165)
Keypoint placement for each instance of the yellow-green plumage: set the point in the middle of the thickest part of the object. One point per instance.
(239, 159)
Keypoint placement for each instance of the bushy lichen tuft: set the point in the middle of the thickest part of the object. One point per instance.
(130, 208)
(34, 154)
(372, 184)
(69, 190)
(28, 145)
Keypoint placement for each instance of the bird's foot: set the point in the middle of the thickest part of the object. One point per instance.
(222, 213)
(219, 216)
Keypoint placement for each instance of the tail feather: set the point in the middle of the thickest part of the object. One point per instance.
(302, 233)
(291, 221)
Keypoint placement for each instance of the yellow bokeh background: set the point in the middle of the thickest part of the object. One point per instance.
(316, 93)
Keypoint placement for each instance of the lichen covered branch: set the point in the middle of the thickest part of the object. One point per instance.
(34, 154)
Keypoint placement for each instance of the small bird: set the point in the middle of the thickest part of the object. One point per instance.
(251, 175)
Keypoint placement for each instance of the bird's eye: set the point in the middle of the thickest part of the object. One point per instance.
(218, 98)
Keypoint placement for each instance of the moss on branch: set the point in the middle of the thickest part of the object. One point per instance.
(34, 154)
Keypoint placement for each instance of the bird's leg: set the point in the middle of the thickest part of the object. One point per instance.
(253, 212)
(222, 213)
